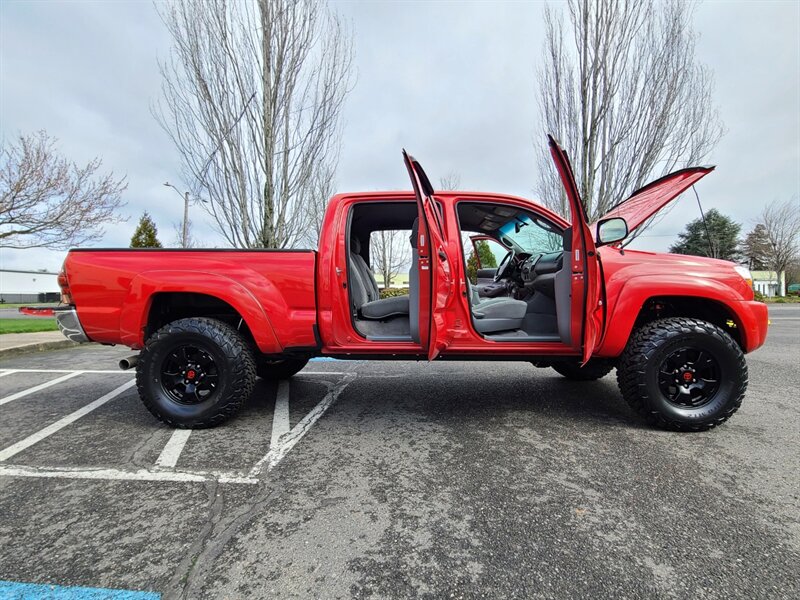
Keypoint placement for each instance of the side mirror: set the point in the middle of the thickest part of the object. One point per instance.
(611, 230)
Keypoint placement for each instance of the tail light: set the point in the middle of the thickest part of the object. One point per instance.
(63, 283)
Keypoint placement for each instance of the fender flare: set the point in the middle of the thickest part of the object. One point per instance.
(636, 291)
(144, 286)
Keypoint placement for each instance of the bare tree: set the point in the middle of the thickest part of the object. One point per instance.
(252, 96)
(621, 89)
(48, 201)
(179, 240)
(781, 222)
(319, 193)
(451, 181)
(390, 252)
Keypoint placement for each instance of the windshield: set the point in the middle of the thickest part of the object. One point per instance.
(532, 236)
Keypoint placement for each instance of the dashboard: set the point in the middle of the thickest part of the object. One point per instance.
(541, 264)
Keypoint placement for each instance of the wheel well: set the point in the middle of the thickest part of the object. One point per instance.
(687, 306)
(166, 307)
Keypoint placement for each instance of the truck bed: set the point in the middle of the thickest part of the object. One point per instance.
(117, 291)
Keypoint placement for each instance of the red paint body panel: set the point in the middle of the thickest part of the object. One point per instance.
(272, 291)
(647, 201)
(633, 277)
(283, 295)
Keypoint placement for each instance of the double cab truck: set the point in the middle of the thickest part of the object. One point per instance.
(566, 294)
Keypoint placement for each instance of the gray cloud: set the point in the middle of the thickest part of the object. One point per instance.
(454, 83)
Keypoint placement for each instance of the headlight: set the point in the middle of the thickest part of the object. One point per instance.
(744, 272)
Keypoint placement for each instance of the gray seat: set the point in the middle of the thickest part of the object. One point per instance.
(365, 293)
(491, 315)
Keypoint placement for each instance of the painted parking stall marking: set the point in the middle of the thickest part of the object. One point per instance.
(40, 387)
(42, 591)
(172, 451)
(283, 437)
(280, 418)
(37, 437)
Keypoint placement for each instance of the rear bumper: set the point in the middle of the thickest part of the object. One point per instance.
(70, 325)
(753, 318)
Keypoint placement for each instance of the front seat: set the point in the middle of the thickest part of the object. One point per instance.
(364, 290)
(492, 315)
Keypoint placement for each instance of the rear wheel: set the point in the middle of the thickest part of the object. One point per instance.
(594, 369)
(280, 369)
(683, 374)
(195, 373)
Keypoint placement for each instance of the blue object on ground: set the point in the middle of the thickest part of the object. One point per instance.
(14, 590)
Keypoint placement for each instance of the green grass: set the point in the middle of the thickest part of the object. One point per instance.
(11, 305)
(783, 300)
(27, 325)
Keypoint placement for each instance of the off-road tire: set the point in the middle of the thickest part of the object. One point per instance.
(235, 365)
(594, 369)
(650, 345)
(279, 369)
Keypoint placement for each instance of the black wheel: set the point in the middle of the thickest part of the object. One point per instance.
(594, 369)
(195, 373)
(281, 368)
(683, 374)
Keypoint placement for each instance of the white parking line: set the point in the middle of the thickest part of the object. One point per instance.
(40, 387)
(280, 418)
(172, 451)
(288, 441)
(63, 422)
(284, 438)
(123, 475)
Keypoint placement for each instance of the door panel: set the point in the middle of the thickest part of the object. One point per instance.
(586, 307)
(436, 283)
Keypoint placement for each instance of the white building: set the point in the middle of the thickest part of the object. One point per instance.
(769, 283)
(28, 286)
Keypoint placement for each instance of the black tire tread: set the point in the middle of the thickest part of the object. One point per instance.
(641, 346)
(235, 348)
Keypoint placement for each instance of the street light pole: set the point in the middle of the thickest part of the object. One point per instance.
(184, 229)
(185, 218)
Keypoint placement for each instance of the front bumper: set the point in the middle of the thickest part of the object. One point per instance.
(70, 325)
(753, 318)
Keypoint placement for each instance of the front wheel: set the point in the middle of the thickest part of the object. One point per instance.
(195, 373)
(683, 374)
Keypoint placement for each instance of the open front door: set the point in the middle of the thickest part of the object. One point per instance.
(435, 275)
(586, 306)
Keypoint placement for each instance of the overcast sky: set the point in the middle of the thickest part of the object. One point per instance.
(452, 82)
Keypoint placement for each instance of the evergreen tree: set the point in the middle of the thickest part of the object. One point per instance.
(724, 240)
(487, 260)
(756, 248)
(146, 234)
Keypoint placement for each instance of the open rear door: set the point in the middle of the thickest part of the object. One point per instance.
(435, 274)
(586, 306)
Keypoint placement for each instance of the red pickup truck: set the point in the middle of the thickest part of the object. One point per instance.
(208, 322)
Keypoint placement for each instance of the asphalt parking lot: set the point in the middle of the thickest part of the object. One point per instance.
(399, 480)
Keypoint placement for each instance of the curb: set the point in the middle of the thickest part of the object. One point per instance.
(36, 347)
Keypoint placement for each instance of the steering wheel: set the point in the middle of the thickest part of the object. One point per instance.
(503, 267)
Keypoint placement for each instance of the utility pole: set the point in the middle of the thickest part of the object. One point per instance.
(185, 218)
(185, 228)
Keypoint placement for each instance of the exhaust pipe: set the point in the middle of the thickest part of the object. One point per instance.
(129, 363)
